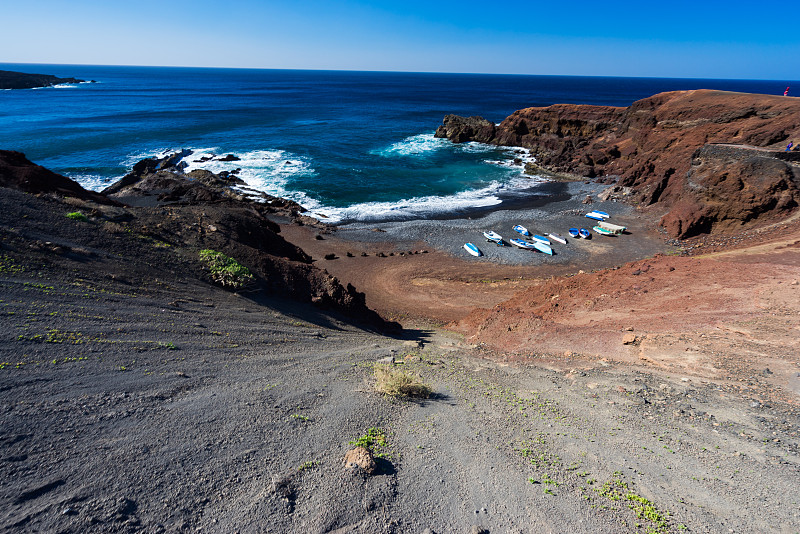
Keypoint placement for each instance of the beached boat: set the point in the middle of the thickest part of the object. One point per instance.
(558, 239)
(541, 247)
(494, 237)
(573, 232)
(522, 230)
(585, 233)
(615, 228)
(541, 239)
(521, 243)
(596, 216)
(602, 231)
(602, 214)
(472, 249)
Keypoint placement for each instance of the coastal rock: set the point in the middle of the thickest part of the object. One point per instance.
(728, 186)
(168, 207)
(22, 80)
(462, 129)
(649, 148)
(17, 172)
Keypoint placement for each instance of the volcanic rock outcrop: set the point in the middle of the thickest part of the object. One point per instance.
(21, 80)
(158, 202)
(651, 145)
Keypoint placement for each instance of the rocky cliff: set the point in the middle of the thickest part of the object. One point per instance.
(183, 214)
(652, 145)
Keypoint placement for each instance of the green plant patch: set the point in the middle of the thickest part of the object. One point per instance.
(77, 216)
(7, 266)
(374, 440)
(225, 270)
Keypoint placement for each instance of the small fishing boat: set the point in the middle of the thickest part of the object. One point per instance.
(541, 247)
(573, 232)
(602, 231)
(541, 239)
(494, 237)
(596, 216)
(602, 214)
(558, 239)
(522, 230)
(615, 228)
(472, 249)
(585, 233)
(521, 243)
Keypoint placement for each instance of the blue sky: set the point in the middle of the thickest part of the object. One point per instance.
(714, 39)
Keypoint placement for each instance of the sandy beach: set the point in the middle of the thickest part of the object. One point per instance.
(425, 273)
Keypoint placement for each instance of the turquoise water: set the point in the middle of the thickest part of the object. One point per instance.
(347, 145)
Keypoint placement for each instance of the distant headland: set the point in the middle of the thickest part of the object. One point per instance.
(22, 80)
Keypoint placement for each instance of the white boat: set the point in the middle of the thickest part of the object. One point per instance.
(602, 231)
(557, 238)
(615, 228)
(602, 214)
(541, 247)
(598, 215)
(522, 230)
(494, 237)
(521, 243)
(472, 249)
(541, 239)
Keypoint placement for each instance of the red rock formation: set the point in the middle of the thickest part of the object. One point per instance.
(649, 146)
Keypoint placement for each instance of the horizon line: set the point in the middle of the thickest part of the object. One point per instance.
(396, 71)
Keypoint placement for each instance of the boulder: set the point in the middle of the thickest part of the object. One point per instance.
(360, 457)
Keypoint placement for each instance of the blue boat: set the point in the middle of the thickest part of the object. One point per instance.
(541, 247)
(574, 232)
(522, 230)
(521, 243)
(596, 216)
(472, 249)
(585, 233)
(541, 239)
(602, 214)
(494, 237)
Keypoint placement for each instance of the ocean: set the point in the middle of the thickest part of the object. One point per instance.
(348, 146)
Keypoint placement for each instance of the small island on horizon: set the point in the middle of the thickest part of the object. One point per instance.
(22, 80)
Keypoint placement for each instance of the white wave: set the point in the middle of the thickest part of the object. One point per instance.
(414, 145)
(93, 182)
(264, 170)
(420, 207)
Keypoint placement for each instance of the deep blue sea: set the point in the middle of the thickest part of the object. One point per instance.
(353, 146)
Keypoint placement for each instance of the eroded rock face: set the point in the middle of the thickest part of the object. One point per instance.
(729, 186)
(462, 129)
(649, 145)
(17, 172)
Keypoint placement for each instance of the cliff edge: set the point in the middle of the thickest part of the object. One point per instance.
(662, 148)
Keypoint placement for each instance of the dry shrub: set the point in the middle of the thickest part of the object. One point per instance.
(399, 383)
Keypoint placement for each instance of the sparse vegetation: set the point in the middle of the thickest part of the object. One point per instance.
(77, 216)
(396, 383)
(225, 270)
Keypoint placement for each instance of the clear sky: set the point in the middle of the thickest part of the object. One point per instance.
(698, 39)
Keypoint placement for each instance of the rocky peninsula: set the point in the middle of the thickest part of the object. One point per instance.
(662, 152)
(22, 80)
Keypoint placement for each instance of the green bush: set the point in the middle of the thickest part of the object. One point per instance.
(77, 216)
(225, 270)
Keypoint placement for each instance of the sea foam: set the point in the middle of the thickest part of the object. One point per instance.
(427, 207)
